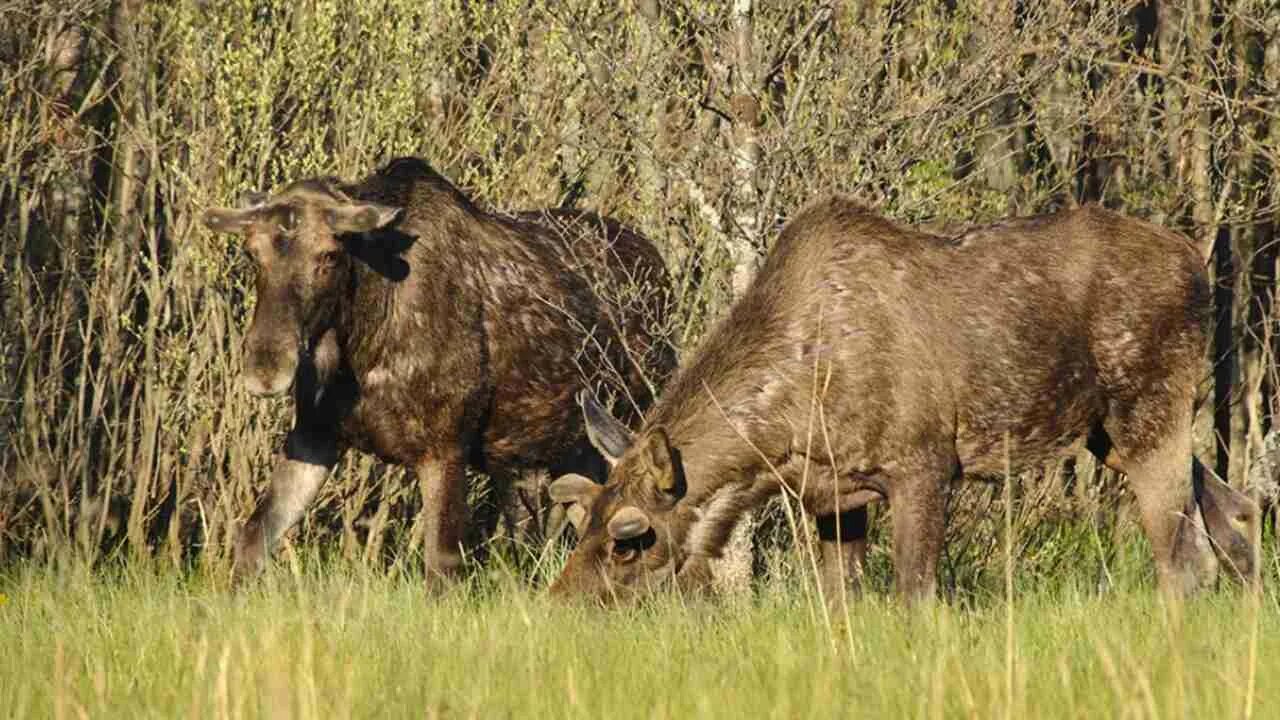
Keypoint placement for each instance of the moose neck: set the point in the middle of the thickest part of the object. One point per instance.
(722, 474)
(365, 315)
(391, 282)
(721, 414)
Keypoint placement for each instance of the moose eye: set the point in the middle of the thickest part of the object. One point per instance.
(624, 553)
(328, 260)
(289, 220)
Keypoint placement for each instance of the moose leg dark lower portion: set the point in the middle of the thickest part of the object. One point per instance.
(842, 541)
(442, 480)
(308, 457)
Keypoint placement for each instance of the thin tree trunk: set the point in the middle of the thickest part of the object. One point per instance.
(995, 147)
(1172, 21)
(1271, 70)
(652, 101)
(733, 570)
(745, 105)
(1200, 47)
(126, 221)
(1250, 311)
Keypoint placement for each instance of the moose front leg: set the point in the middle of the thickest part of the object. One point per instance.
(843, 547)
(442, 479)
(919, 526)
(308, 457)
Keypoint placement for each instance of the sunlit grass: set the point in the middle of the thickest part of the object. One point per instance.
(339, 641)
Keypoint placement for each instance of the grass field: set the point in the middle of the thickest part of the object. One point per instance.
(320, 639)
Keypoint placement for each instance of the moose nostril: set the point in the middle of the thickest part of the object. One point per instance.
(267, 384)
(268, 369)
(256, 356)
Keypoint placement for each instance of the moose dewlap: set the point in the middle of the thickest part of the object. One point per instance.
(870, 361)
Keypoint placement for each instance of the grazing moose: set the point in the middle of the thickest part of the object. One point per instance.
(869, 361)
(414, 326)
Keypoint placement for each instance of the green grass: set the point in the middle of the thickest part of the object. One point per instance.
(334, 641)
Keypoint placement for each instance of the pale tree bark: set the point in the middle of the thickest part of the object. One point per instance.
(1263, 474)
(1246, 368)
(652, 101)
(1249, 300)
(574, 160)
(745, 105)
(67, 204)
(1271, 74)
(1210, 198)
(1058, 118)
(1197, 29)
(733, 570)
(126, 219)
(1171, 36)
(1173, 17)
(995, 147)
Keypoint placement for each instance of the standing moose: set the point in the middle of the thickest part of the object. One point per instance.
(869, 361)
(417, 327)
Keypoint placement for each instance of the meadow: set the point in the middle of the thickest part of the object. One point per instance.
(324, 638)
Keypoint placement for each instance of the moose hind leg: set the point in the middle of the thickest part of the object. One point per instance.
(307, 459)
(842, 539)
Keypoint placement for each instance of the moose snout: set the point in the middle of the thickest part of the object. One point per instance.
(268, 369)
(569, 587)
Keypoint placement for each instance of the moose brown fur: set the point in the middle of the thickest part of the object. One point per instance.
(417, 327)
(869, 361)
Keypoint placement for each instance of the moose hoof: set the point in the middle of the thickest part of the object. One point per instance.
(443, 574)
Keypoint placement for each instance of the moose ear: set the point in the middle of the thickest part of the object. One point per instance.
(229, 220)
(606, 434)
(573, 488)
(629, 522)
(660, 462)
(234, 220)
(253, 199)
(361, 217)
(1231, 519)
(577, 518)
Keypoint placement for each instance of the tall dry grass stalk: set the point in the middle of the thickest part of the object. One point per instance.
(1009, 648)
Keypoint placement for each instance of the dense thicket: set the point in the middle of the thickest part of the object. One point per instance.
(704, 124)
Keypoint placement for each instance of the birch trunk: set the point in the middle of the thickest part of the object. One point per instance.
(733, 570)
(653, 182)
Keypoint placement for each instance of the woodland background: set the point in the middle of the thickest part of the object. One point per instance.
(123, 429)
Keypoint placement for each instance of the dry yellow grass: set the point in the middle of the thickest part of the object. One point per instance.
(326, 640)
